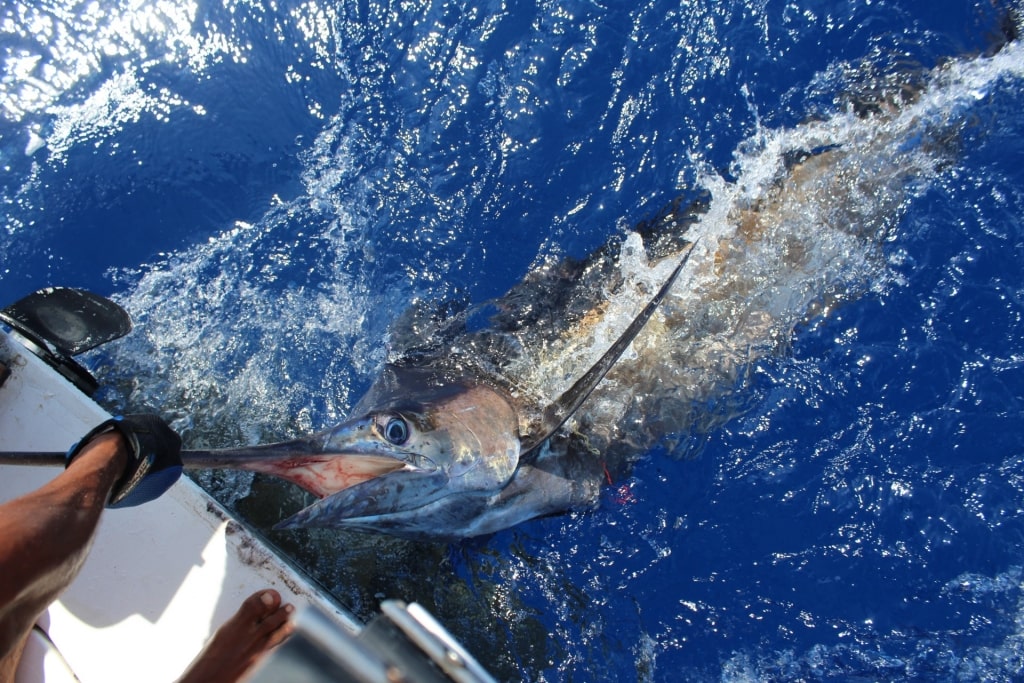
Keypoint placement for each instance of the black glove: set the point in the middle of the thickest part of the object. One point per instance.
(154, 458)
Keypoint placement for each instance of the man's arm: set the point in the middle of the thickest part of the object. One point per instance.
(45, 535)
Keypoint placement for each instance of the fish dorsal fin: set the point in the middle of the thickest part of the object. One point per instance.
(555, 414)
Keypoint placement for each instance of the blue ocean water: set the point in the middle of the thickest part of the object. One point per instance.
(267, 186)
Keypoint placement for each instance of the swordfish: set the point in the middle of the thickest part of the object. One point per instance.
(587, 364)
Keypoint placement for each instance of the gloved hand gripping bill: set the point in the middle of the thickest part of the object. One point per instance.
(154, 458)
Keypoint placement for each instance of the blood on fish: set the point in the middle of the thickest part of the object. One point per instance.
(324, 475)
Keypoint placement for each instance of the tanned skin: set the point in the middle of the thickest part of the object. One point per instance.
(45, 537)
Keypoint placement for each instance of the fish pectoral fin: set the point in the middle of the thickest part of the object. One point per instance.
(555, 415)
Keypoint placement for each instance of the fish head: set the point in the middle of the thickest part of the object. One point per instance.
(427, 437)
(467, 433)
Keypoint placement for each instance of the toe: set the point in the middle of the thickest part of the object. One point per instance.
(260, 604)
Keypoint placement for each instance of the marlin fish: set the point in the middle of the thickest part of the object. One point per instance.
(588, 363)
(440, 450)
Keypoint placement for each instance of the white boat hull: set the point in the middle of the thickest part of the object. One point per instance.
(160, 578)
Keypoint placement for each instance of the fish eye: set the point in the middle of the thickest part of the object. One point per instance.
(396, 431)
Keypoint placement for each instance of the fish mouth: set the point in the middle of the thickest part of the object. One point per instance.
(351, 479)
(354, 475)
(329, 473)
(321, 473)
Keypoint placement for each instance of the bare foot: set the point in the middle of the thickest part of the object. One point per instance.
(260, 624)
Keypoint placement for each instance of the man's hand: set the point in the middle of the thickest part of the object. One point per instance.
(154, 458)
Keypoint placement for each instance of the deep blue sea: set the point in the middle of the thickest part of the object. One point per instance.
(266, 186)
